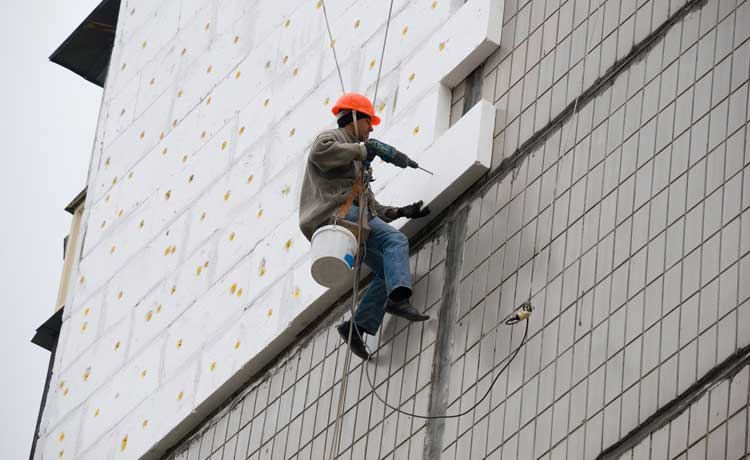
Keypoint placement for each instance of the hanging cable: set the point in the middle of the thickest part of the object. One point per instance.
(382, 54)
(460, 414)
(518, 315)
(362, 215)
(359, 257)
(333, 46)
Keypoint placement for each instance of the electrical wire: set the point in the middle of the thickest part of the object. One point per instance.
(460, 414)
(362, 248)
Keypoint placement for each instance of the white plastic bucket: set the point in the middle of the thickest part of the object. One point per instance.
(333, 251)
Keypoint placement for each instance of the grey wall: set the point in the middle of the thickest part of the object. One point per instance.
(713, 426)
(625, 216)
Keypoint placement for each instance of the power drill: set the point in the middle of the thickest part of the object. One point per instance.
(390, 155)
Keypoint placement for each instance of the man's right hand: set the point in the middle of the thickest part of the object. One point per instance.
(387, 153)
(371, 153)
(376, 148)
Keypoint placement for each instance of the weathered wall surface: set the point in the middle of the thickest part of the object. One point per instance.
(714, 426)
(627, 223)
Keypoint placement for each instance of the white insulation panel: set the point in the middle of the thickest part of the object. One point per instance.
(193, 271)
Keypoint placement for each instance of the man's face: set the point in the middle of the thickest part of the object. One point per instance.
(364, 127)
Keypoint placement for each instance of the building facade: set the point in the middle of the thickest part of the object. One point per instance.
(590, 157)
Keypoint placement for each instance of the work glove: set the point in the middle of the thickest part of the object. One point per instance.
(388, 154)
(371, 154)
(413, 211)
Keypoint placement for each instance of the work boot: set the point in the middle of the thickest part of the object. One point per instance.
(404, 309)
(358, 344)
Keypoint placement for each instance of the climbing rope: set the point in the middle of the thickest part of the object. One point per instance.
(335, 446)
(332, 44)
(382, 54)
(521, 313)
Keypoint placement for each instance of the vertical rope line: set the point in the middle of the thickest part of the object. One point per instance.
(344, 379)
(382, 54)
(358, 263)
(333, 47)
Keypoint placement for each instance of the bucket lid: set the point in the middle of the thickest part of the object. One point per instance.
(335, 228)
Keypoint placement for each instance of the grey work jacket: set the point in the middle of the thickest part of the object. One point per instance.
(333, 164)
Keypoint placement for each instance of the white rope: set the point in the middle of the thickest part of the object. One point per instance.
(382, 54)
(333, 46)
(345, 378)
(335, 446)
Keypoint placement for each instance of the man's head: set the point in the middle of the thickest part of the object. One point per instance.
(355, 113)
(361, 129)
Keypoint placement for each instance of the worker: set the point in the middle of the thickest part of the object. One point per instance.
(334, 163)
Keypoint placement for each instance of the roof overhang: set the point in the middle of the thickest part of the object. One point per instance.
(88, 49)
(77, 201)
(46, 334)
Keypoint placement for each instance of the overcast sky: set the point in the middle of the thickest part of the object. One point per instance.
(48, 117)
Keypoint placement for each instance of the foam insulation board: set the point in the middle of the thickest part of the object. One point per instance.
(249, 334)
(192, 241)
(133, 15)
(62, 442)
(153, 315)
(87, 373)
(156, 78)
(147, 40)
(127, 148)
(122, 110)
(189, 332)
(138, 379)
(415, 130)
(173, 401)
(410, 26)
(458, 159)
(85, 325)
(453, 51)
(189, 8)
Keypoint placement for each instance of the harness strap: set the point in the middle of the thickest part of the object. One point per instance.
(356, 228)
(349, 201)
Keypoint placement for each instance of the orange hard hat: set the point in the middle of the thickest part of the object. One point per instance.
(358, 102)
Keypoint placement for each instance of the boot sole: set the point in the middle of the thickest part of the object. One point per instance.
(345, 337)
(414, 319)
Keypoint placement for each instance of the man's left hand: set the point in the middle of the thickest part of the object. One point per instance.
(413, 211)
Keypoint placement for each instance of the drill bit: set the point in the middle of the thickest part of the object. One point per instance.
(413, 164)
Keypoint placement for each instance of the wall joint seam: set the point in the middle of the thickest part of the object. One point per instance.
(441, 368)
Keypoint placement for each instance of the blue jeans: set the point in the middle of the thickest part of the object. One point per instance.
(387, 256)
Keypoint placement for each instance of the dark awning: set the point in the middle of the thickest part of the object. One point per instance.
(88, 49)
(80, 198)
(46, 334)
